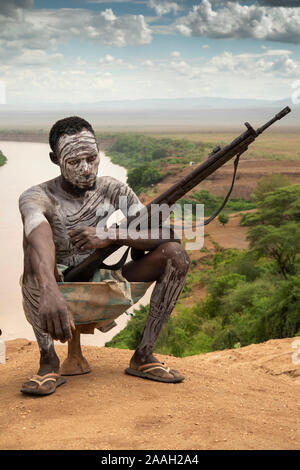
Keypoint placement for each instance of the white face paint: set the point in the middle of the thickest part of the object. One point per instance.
(78, 156)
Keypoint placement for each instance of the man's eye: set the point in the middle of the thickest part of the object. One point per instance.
(73, 162)
(91, 159)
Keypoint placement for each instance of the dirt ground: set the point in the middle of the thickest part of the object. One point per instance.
(249, 172)
(247, 398)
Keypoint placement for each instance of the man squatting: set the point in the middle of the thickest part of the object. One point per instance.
(60, 219)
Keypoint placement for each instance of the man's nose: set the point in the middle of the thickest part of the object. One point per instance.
(84, 167)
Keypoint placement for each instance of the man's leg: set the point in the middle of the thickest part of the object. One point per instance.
(168, 265)
(49, 365)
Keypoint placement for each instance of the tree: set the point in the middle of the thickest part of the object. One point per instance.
(223, 219)
(268, 184)
(277, 208)
(143, 176)
(280, 243)
(159, 153)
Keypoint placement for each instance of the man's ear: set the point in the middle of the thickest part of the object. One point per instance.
(54, 158)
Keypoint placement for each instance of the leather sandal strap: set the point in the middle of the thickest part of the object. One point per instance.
(149, 364)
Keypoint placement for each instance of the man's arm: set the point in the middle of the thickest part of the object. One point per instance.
(54, 314)
(53, 310)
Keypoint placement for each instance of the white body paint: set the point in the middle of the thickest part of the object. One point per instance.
(78, 156)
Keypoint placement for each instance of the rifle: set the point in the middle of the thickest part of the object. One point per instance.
(219, 156)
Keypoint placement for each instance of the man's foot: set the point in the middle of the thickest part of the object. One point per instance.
(75, 365)
(151, 368)
(43, 384)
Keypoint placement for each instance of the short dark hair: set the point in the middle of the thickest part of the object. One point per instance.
(70, 125)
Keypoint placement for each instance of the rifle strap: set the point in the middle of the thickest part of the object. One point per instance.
(236, 162)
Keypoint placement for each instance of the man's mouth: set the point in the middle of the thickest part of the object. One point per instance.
(86, 181)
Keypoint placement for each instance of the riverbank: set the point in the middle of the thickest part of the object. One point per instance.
(3, 159)
(244, 398)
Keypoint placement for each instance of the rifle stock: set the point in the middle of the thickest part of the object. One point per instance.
(84, 270)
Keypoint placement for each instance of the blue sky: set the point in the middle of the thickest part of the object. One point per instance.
(79, 51)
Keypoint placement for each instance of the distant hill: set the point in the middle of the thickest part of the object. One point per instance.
(186, 114)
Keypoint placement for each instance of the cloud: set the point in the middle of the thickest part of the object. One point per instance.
(148, 63)
(272, 63)
(175, 54)
(267, 74)
(37, 58)
(233, 20)
(163, 7)
(107, 59)
(12, 7)
(45, 29)
(125, 30)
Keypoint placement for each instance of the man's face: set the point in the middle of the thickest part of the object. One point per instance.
(78, 156)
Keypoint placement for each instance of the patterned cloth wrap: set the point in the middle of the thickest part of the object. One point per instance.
(101, 300)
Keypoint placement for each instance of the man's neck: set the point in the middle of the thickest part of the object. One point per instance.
(74, 190)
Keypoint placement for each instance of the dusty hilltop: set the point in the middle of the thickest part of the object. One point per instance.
(247, 398)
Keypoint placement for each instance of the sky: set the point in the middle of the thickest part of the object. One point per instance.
(85, 51)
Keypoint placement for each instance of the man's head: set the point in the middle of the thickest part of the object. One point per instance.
(75, 149)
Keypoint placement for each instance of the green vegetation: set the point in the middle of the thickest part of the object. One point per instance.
(212, 203)
(251, 295)
(223, 219)
(3, 159)
(267, 184)
(145, 157)
(269, 146)
(143, 176)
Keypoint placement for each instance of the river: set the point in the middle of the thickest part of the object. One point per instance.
(29, 164)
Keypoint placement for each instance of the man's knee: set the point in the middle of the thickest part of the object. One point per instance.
(175, 252)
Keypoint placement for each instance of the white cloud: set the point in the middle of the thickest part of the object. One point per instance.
(183, 29)
(37, 58)
(44, 29)
(14, 7)
(267, 74)
(107, 59)
(163, 7)
(175, 54)
(233, 20)
(272, 63)
(148, 63)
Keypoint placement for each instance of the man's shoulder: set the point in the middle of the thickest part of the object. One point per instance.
(109, 181)
(38, 191)
(109, 184)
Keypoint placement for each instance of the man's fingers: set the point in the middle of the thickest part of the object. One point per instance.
(77, 232)
(59, 334)
(67, 332)
(50, 327)
(80, 243)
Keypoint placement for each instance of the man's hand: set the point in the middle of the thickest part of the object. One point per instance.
(89, 238)
(56, 318)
